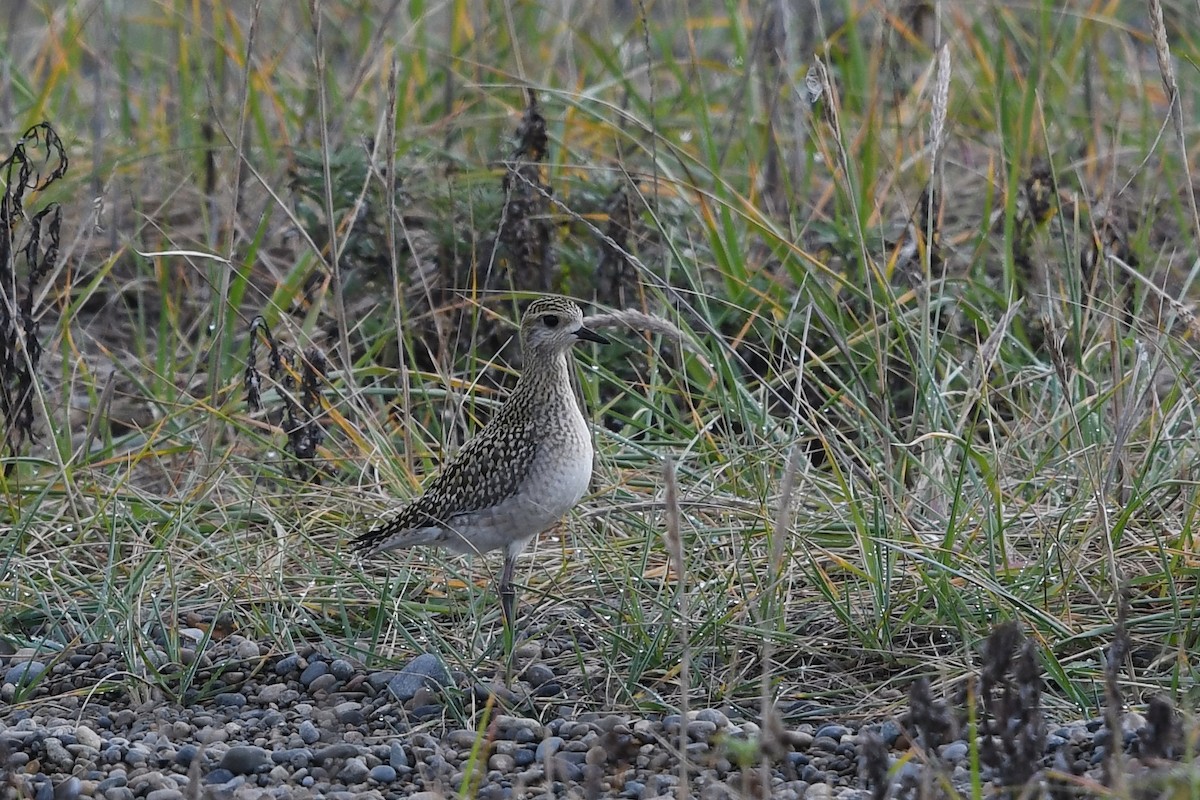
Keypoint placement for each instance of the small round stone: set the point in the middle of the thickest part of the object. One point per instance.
(424, 670)
(186, 754)
(349, 713)
(25, 672)
(397, 758)
(68, 789)
(230, 700)
(835, 732)
(384, 773)
(218, 776)
(502, 763)
(353, 771)
(165, 794)
(322, 683)
(342, 669)
(333, 751)
(538, 674)
(714, 716)
(309, 733)
(548, 747)
(596, 757)
(86, 736)
(955, 751)
(245, 759)
(246, 650)
(313, 671)
(287, 665)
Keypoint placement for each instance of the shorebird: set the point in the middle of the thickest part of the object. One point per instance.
(522, 473)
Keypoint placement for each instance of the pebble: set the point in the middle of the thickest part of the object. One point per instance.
(313, 671)
(245, 759)
(342, 669)
(397, 758)
(86, 736)
(548, 747)
(538, 674)
(24, 672)
(287, 665)
(502, 763)
(230, 700)
(340, 750)
(424, 670)
(835, 732)
(384, 773)
(165, 794)
(955, 751)
(308, 732)
(353, 771)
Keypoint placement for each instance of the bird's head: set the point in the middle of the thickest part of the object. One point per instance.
(552, 325)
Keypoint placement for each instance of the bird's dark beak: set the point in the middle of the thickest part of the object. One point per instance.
(590, 335)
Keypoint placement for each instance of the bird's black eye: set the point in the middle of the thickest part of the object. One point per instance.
(550, 320)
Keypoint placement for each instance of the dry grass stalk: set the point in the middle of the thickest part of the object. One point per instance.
(649, 323)
(674, 540)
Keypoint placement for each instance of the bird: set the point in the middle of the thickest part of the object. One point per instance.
(521, 473)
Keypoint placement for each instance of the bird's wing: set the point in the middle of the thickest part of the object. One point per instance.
(490, 468)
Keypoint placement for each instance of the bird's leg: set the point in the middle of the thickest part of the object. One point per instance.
(508, 602)
(508, 595)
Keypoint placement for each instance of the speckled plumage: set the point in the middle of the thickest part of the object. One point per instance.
(526, 469)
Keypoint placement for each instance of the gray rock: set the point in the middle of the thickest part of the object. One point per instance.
(271, 693)
(714, 716)
(186, 755)
(349, 712)
(118, 793)
(955, 751)
(538, 674)
(287, 665)
(68, 789)
(309, 733)
(379, 680)
(340, 750)
(86, 736)
(353, 771)
(342, 669)
(424, 670)
(297, 758)
(835, 732)
(26, 672)
(165, 794)
(890, 731)
(246, 650)
(313, 671)
(818, 791)
(229, 700)
(245, 759)
(384, 773)
(57, 755)
(548, 747)
(322, 683)
(397, 757)
(218, 776)
(116, 779)
(502, 763)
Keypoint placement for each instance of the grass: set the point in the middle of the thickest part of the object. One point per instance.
(984, 433)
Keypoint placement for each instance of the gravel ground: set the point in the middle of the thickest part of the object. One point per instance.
(309, 725)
